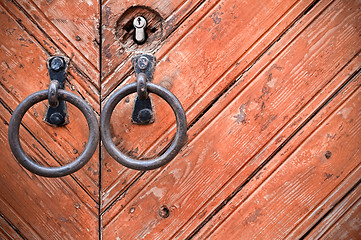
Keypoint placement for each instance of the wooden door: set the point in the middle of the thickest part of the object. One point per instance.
(271, 90)
(34, 207)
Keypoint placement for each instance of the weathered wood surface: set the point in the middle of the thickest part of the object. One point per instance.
(343, 222)
(7, 232)
(80, 72)
(197, 68)
(324, 109)
(266, 101)
(314, 170)
(113, 54)
(272, 95)
(42, 208)
(348, 227)
(22, 58)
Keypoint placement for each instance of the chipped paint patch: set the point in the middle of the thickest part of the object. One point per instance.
(241, 117)
(345, 112)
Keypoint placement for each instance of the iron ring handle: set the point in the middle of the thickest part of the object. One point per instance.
(178, 141)
(28, 163)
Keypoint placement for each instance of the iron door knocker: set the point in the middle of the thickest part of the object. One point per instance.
(53, 94)
(143, 66)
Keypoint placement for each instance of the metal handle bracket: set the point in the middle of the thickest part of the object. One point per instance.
(57, 113)
(144, 67)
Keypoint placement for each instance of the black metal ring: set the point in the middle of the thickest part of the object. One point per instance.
(142, 86)
(178, 141)
(29, 164)
(53, 93)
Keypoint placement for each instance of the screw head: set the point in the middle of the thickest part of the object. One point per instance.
(56, 119)
(145, 115)
(56, 63)
(143, 63)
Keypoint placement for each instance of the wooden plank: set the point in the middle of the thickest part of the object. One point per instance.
(208, 163)
(62, 30)
(203, 28)
(122, 71)
(75, 27)
(343, 220)
(80, 75)
(56, 146)
(137, 140)
(348, 227)
(238, 182)
(7, 232)
(24, 72)
(42, 208)
(308, 175)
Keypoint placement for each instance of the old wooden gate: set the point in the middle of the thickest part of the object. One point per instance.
(271, 90)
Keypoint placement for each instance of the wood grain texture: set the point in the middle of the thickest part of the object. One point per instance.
(238, 67)
(175, 72)
(225, 147)
(279, 139)
(348, 227)
(343, 222)
(21, 56)
(272, 93)
(7, 232)
(121, 72)
(72, 33)
(314, 169)
(294, 130)
(76, 23)
(80, 75)
(42, 208)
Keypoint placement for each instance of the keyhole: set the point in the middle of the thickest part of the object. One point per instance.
(140, 24)
(133, 35)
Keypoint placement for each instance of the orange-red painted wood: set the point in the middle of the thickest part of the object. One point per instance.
(48, 38)
(317, 104)
(41, 208)
(306, 177)
(348, 226)
(344, 220)
(194, 72)
(113, 53)
(271, 91)
(225, 147)
(7, 232)
(24, 72)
